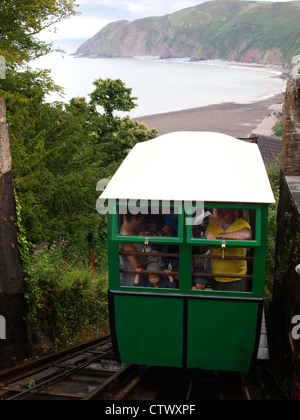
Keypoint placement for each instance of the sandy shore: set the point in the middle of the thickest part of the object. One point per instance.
(238, 120)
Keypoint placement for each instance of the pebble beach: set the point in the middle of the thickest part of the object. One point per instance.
(237, 120)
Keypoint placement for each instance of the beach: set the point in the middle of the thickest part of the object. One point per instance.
(237, 120)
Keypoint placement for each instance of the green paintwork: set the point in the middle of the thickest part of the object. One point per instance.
(221, 334)
(149, 330)
(184, 328)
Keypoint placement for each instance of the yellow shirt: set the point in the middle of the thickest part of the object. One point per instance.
(228, 266)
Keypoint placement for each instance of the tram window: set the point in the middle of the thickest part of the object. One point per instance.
(216, 269)
(155, 265)
(162, 225)
(224, 223)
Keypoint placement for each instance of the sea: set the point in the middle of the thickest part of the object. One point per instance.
(161, 85)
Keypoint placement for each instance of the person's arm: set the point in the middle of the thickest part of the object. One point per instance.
(169, 275)
(134, 262)
(137, 276)
(211, 236)
(244, 234)
(171, 279)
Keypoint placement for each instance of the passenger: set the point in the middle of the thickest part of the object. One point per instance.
(155, 280)
(130, 262)
(170, 228)
(170, 224)
(228, 225)
(152, 229)
(131, 224)
(200, 283)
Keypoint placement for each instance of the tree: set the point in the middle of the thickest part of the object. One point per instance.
(21, 20)
(113, 95)
(116, 136)
(60, 151)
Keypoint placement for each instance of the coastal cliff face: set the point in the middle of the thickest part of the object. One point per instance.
(260, 32)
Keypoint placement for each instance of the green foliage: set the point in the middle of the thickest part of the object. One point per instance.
(59, 153)
(31, 384)
(113, 95)
(61, 293)
(273, 170)
(278, 129)
(21, 20)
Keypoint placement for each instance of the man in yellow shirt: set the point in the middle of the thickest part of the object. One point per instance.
(228, 225)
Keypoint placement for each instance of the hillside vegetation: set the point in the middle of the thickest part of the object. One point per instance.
(261, 32)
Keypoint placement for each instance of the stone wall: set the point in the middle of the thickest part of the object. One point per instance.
(12, 304)
(286, 294)
(291, 130)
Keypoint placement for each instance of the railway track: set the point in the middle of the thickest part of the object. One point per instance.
(90, 372)
(72, 374)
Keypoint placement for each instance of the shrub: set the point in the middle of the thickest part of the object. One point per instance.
(273, 170)
(64, 300)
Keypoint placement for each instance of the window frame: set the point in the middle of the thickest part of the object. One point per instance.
(251, 243)
(151, 239)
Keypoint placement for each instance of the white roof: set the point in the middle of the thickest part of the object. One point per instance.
(192, 166)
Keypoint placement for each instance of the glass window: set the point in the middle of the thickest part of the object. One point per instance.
(148, 225)
(162, 222)
(229, 224)
(223, 269)
(155, 265)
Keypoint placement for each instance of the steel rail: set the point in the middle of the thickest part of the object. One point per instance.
(19, 371)
(49, 382)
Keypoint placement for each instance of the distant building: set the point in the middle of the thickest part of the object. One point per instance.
(270, 147)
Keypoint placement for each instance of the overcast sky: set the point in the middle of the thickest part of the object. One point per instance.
(95, 14)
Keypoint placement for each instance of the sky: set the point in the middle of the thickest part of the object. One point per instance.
(95, 14)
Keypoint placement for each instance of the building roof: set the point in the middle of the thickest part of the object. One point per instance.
(192, 166)
(270, 147)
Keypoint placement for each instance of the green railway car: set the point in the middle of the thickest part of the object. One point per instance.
(187, 237)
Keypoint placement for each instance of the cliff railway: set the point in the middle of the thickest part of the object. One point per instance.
(92, 372)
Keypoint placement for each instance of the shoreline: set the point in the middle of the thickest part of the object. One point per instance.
(237, 120)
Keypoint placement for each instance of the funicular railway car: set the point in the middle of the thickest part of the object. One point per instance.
(187, 225)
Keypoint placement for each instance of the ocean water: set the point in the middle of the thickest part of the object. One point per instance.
(162, 85)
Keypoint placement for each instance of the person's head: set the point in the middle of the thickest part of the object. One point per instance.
(152, 225)
(134, 220)
(201, 285)
(225, 212)
(154, 278)
(200, 282)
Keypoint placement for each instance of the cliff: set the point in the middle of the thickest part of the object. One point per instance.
(260, 32)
